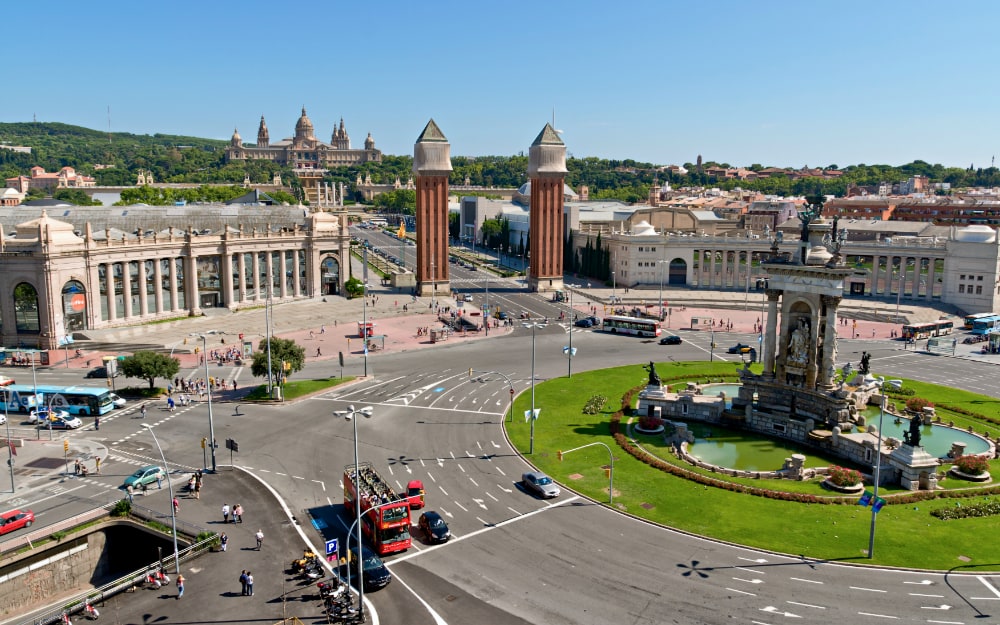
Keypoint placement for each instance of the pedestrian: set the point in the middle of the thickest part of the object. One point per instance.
(197, 489)
(243, 582)
(237, 513)
(180, 585)
(97, 423)
(249, 584)
(159, 481)
(142, 412)
(318, 353)
(322, 329)
(76, 467)
(177, 505)
(260, 539)
(225, 513)
(170, 404)
(224, 540)
(97, 465)
(129, 492)
(873, 332)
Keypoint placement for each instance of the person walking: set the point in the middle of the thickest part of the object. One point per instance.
(177, 505)
(180, 585)
(260, 538)
(249, 584)
(197, 489)
(237, 513)
(159, 481)
(224, 540)
(225, 513)
(243, 582)
(142, 412)
(129, 492)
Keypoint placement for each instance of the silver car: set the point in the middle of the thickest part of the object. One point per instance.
(540, 483)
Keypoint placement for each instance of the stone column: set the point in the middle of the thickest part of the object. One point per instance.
(546, 172)
(830, 304)
(282, 265)
(109, 275)
(158, 284)
(876, 261)
(711, 268)
(931, 266)
(431, 167)
(770, 335)
(175, 302)
(191, 284)
(241, 280)
(256, 277)
(296, 270)
(143, 288)
(269, 274)
(127, 288)
(227, 279)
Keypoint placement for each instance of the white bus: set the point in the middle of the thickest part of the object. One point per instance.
(631, 325)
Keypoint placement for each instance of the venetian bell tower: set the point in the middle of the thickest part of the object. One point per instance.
(431, 166)
(546, 171)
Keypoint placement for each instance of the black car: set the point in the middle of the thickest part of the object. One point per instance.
(584, 323)
(739, 348)
(99, 372)
(434, 527)
(375, 573)
(670, 339)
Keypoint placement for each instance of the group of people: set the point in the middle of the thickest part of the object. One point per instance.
(222, 356)
(194, 485)
(236, 511)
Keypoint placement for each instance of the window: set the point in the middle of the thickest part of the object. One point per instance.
(961, 288)
(961, 277)
(979, 278)
(979, 289)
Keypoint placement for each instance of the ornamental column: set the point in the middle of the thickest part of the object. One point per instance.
(546, 172)
(127, 288)
(109, 278)
(770, 335)
(143, 289)
(431, 168)
(158, 285)
(826, 372)
(241, 280)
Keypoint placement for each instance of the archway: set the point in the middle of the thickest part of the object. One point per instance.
(26, 309)
(74, 300)
(677, 273)
(330, 276)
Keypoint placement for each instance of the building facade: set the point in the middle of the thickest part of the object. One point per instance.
(304, 150)
(58, 280)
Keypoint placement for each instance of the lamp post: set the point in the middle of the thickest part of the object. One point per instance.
(208, 386)
(611, 469)
(170, 490)
(878, 460)
(570, 353)
(267, 332)
(364, 324)
(533, 325)
(10, 446)
(352, 415)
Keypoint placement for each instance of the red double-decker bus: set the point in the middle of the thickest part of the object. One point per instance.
(385, 514)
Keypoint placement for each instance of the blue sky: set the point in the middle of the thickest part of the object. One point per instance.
(777, 83)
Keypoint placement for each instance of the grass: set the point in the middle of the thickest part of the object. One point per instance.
(908, 536)
(297, 389)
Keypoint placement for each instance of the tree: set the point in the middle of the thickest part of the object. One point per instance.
(284, 351)
(354, 287)
(149, 366)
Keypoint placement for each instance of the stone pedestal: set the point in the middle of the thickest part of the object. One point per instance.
(917, 469)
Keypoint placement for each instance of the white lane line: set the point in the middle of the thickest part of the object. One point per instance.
(480, 519)
(808, 581)
(807, 605)
(443, 491)
(281, 474)
(514, 511)
(501, 471)
(462, 468)
(476, 484)
(298, 477)
(464, 509)
(917, 594)
(879, 615)
(741, 568)
(866, 589)
(990, 586)
(435, 408)
(742, 592)
(490, 495)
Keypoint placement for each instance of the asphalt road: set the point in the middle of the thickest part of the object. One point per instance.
(516, 558)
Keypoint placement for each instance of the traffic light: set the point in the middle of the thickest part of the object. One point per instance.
(66, 445)
(204, 442)
(559, 455)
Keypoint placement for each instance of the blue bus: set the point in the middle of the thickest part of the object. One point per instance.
(984, 325)
(971, 319)
(77, 400)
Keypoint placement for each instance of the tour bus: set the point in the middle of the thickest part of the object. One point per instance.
(927, 330)
(971, 319)
(983, 325)
(631, 325)
(77, 400)
(366, 329)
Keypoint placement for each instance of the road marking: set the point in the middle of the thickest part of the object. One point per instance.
(506, 490)
(321, 483)
(807, 605)
(431, 475)
(443, 491)
(749, 581)
(297, 477)
(990, 586)
(748, 570)
(474, 482)
(281, 474)
(943, 606)
(923, 582)
(481, 504)
(445, 512)
(490, 495)
(755, 560)
(480, 519)
(917, 594)
(464, 509)
(514, 511)
(501, 473)
(866, 589)
(808, 581)
(742, 592)
(878, 615)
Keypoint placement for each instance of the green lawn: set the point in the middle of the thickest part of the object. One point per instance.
(907, 535)
(297, 388)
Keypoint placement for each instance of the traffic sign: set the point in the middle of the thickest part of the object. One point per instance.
(528, 416)
(331, 547)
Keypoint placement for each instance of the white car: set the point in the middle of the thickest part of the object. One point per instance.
(119, 402)
(467, 297)
(39, 416)
(3, 418)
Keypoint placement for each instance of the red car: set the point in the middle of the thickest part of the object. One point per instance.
(15, 520)
(415, 494)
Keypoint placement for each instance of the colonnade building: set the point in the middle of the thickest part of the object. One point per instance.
(58, 278)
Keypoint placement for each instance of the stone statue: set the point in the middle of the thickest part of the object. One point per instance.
(654, 379)
(797, 344)
(864, 368)
(912, 437)
(806, 216)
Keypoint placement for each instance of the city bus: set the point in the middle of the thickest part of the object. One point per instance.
(983, 325)
(366, 329)
(77, 400)
(631, 325)
(971, 319)
(927, 330)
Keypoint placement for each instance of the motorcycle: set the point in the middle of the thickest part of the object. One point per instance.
(328, 590)
(307, 560)
(314, 571)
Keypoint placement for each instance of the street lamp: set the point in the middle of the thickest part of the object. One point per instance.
(10, 445)
(364, 324)
(533, 325)
(351, 415)
(611, 467)
(880, 383)
(211, 418)
(170, 490)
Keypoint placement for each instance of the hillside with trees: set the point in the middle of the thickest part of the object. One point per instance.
(114, 159)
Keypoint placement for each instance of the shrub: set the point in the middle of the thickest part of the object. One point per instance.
(917, 404)
(843, 477)
(594, 404)
(986, 508)
(972, 464)
(121, 508)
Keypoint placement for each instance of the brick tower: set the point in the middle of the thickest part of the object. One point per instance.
(431, 166)
(546, 170)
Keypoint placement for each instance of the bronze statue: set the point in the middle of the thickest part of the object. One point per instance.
(864, 367)
(912, 437)
(654, 379)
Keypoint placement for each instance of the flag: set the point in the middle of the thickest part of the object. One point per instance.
(879, 502)
(866, 499)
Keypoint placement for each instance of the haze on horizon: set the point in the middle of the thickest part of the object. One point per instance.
(780, 83)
